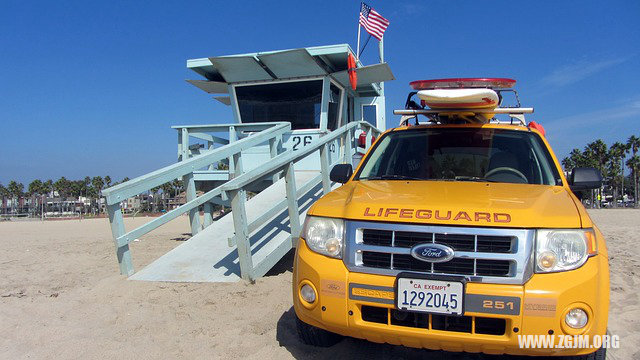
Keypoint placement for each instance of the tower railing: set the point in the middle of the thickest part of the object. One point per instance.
(235, 189)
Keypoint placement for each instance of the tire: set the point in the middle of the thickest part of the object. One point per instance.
(600, 354)
(314, 336)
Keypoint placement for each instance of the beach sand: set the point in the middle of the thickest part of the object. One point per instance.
(62, 297)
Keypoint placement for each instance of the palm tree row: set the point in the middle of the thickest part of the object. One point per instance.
(89, 187)
(611, 161)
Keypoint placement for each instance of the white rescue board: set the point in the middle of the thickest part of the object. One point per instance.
(459, 98)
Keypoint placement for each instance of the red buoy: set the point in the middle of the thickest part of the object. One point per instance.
(351, 69)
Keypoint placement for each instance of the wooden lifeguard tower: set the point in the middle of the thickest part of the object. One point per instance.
(295, 115)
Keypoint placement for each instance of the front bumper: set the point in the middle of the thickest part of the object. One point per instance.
(343, 297)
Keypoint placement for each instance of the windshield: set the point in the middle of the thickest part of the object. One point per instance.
(463, 154)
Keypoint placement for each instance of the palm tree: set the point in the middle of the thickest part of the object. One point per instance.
(107, 181)
(634, 144)
(97, 184)
(39, 189)
(634, 165)
(48, 186)
(36, 187)
(3, 193)
(15, 191)
(615, 166)
(575, 159)
(596, 154)
(62, 187)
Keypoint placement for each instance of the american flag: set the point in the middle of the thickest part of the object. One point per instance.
(373, 22)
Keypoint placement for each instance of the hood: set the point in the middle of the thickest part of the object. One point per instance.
(452, 203)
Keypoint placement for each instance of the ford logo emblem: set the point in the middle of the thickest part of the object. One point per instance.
(433, 253)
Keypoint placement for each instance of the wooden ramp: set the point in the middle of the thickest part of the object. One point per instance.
(208, 256)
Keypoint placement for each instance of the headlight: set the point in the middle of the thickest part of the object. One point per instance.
(324, 235)
(562, 249)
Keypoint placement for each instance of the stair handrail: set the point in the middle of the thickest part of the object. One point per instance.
(267, 132)
(235, 191)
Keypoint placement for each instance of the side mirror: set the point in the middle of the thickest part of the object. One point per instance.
(585, 179)
(341, 173)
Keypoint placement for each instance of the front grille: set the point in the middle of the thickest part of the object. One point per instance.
(465, 324)
(377, 237)
(495, 244)
(409, 239)
(456, 266)
(480, 254)
(458, 242)
(376, 260)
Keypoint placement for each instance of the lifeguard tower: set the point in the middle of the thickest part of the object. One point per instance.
(295, 115)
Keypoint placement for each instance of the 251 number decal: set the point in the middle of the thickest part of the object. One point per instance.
(499, 305)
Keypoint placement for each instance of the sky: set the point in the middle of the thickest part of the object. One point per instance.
(92, 88)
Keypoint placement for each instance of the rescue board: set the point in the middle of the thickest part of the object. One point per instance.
(460, 98)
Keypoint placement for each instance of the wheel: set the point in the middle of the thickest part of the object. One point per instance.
(600, 354)
(314, 336)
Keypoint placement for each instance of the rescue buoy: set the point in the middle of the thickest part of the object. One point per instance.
(351, 69)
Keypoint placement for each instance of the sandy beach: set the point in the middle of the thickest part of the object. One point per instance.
(62, 297)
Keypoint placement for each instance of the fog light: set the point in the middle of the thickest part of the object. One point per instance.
(334, 246)
(576, 318)
(307, 293)
(547, 260)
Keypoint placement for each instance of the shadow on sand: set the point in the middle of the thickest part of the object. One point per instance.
(351, 348)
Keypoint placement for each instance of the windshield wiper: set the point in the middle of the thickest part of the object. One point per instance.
(472, 178)
(391, 177)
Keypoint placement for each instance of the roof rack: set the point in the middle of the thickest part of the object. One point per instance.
(514, 113)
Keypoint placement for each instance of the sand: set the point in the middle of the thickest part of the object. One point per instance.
(62, 297)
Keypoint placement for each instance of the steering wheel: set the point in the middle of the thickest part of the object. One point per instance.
(506, 169)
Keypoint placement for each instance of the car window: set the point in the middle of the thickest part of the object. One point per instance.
(469, 154)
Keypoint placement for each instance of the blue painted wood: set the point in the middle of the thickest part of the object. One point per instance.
(281, 205)
(124, 239)
(190, 192)
(324, 168)
(291, 64)
(275, 145)
(208, 214)
(348, 147)
(324, 104)
(117, 229)
(281, 161)
(238, 211)
(267, 263)
(292, 199)
(146, 182)
(252, 127)
(234, 189)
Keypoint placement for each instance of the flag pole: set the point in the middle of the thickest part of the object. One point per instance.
(358, 46)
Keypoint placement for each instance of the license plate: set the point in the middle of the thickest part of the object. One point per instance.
(430, 296)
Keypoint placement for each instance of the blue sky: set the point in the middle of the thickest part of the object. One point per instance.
(92, 88)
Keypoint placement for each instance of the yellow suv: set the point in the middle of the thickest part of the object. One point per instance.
(454, 235)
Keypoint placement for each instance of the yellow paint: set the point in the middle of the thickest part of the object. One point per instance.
(545, 298)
